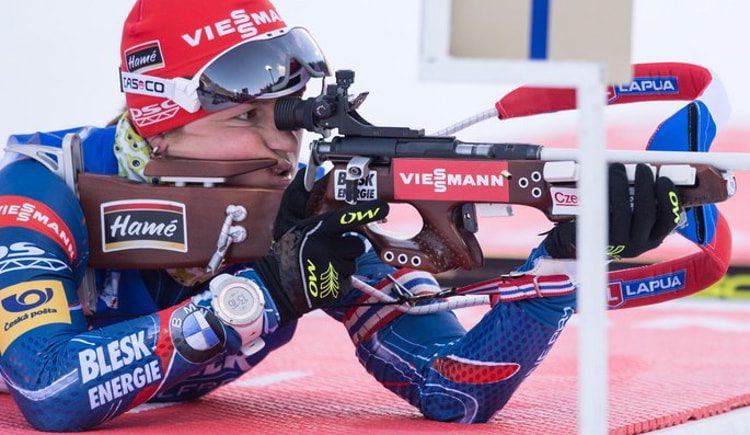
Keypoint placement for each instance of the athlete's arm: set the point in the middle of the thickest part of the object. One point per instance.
(63, 376)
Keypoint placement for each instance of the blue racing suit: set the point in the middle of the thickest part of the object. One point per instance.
(154, 339)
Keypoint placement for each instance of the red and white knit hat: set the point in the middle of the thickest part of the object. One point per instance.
(176, 38)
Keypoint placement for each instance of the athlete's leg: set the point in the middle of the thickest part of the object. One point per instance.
(450, 374)
(463, 377)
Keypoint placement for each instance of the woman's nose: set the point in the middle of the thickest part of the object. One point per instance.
(286, 141)
(280, 140)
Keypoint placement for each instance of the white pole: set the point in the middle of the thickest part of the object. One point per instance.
(723, 161)
(588, 79)
(592, 232)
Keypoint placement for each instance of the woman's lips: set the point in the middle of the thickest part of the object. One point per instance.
(282, 173)
(280, 177)
(282, 167)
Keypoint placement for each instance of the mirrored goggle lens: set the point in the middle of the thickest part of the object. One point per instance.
(261, 69)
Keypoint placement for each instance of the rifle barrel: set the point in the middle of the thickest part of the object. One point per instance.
(343, 147)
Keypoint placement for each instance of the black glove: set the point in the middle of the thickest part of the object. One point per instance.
(311, 262)
(632, 230)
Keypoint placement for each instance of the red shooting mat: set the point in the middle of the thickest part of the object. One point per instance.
(668, 364)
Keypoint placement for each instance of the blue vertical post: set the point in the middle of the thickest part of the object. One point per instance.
(539, 29)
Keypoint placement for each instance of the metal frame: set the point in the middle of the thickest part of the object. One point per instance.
(589, 81)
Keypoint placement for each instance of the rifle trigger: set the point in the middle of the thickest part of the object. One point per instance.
(469, 217)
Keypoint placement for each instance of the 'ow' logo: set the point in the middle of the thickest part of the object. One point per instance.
(358, 216)
(312, 279)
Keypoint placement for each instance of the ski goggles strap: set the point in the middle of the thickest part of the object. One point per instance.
(266, 68)
(180, 90)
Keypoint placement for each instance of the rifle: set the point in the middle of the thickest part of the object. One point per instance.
(443, 178)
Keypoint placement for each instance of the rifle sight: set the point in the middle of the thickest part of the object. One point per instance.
(333, 110)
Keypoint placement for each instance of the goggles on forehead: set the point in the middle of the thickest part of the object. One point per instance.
(257, 69)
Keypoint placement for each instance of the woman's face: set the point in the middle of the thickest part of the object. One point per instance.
(244, 132)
